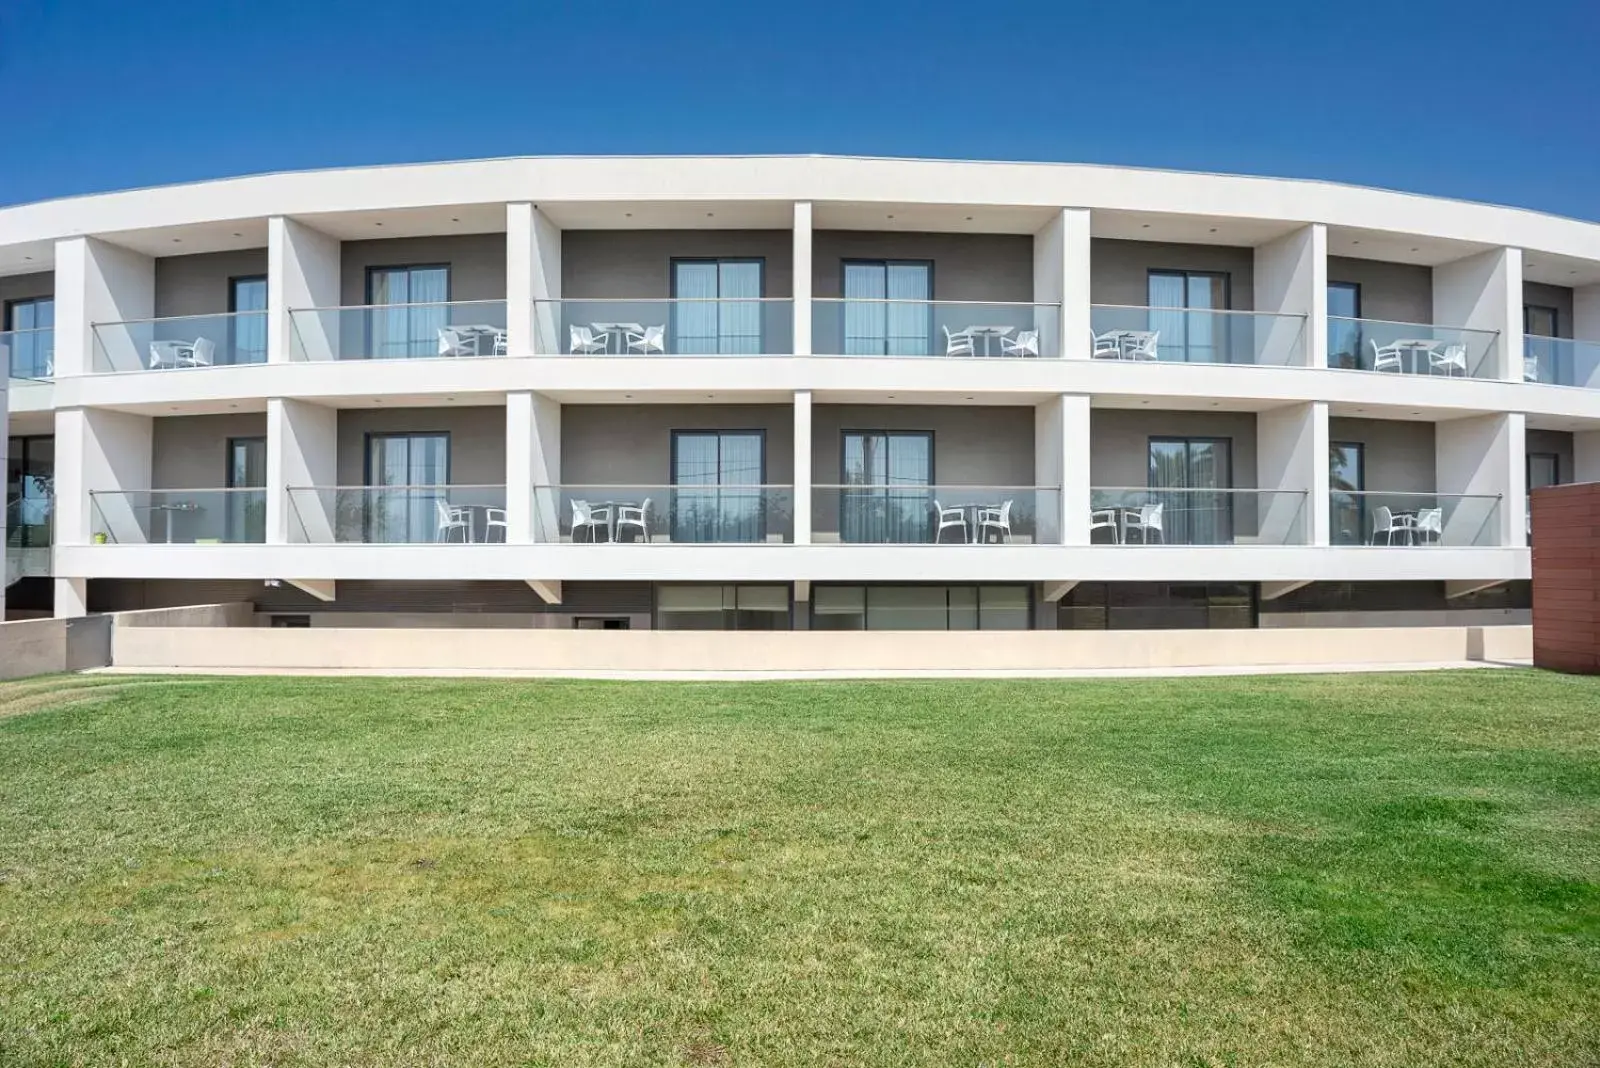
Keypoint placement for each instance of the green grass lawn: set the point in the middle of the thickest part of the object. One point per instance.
(1356, 870)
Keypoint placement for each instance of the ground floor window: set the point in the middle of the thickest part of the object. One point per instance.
(722, 607)
(1158, 606)
(920, 608)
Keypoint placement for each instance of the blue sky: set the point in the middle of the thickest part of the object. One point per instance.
(1476, 99)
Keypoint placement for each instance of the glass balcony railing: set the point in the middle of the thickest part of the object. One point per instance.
(184, 342)
(400, 331)
(1149, 516)
(30, 355)
(934, 328)
(936, 515)
(1556, 361)
(1189, 335)
(30, 523)
(398, 515)
(711, 327)
(179, 517)
(1413, 519)
(1410, 348)
(674, 515)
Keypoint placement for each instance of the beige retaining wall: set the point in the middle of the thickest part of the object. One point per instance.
(801, 651)
(32, 647)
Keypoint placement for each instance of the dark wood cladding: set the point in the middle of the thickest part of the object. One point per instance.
(1566, 578)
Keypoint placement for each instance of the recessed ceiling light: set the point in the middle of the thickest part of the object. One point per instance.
(1216, 404)
(450, 399)
(1213, 229)
(627, 396)
(1355, 242)
(377, 224)
(29, 258)
(1572, 272)
(627, 215)
(454, 219)
(236, 234)
(1416, 250)
(888, 216)
(969, 218)
(177, 241)
(711, 214)
(1144, 226)
(891, 396)
(969, 398)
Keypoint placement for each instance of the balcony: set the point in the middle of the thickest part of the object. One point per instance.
(1413, 520)
(675, 515)
(29, 529)
(1182, 335)
(179, 517)
(30, 355)
(934, 328)
(709, 327)
(468, 328)
(397, 515)
(1411, 348)
(1556, 361)
(1132, 516)
(935, 515)
(189, 341)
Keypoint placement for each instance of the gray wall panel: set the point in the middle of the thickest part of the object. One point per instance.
(986, 267)
(1399, 292)
(477, 440)
(1558, 442)
(198, 285)
(1119, 442)
(191, 451)
(1399, 455)
(1119, 271)
(1557, 297)
(637, 264)
(631, 445)
(477, 263)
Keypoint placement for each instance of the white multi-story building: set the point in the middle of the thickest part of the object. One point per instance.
(789, 392)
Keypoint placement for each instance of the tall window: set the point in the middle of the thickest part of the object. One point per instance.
(33, 346)
(886, 475)
(416, 310)
(1544, 469)
(1539, 321)
(1347, 479)
(1190, 336)
(717, 307)
(920, 608)
(1540, 327)
(1202, 469)
(247, 339)
(405, 473)
(247, 470)
(30, 490)
(1344, 333)
(722, 607)
(716, 475)
(887, 310)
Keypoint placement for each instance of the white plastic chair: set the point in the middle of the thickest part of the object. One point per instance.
(958, 343)
(1530, 368)
(997, 520)
(501, 346)
(652, 342)
(585, 342)
(1107, 346)
(1140, 345)
(494, 518)
(949, 519)
(200, 353)
(1386, 358)
(586, 515)
(1104, 519)
(1148, 522)
(1386, 523)
(1451, 358)
(636, 516)
(1430, 525)
(1026, 343)
(166, 354)
(452, 520)
(453, 342)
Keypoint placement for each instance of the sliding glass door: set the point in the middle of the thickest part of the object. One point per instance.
(247, 469)
(717, 307)
(247, 342)
(30, 490)
(1347, 479)
(33, 346)
(1190, 335)
(1198, 472)
(405, 473)
(716, 475)
(409, 310)
(886, 481)
(887, 310)
(1344, 333)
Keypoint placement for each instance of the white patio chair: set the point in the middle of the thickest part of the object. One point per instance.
(1104, 519)
(585, 342)
(1026, 343)
(653, 342)
(949, 519)
(495, 519)
(200, 354)
(1148, 522)
(1386, 358)
(636, 516)
(166, 354)
(501, 346)
(453, 342)
(997, 520)
(452, 520)
(1107, 346)
(1141, 345)
(586, 516)
(958, 343)
(1451, 358)
(1430, 525)
(1530, 368)
(1387, 524)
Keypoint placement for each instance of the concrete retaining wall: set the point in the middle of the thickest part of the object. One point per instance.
(801, 651)
(50, 646)
(235, 614)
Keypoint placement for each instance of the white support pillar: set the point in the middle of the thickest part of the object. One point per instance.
(302, 453)
(71, 598)
(1061, 277)
(1483, 455)
(1484, 292)
(533, 280)
(802, 278)
(98, 450)
(302, 273)
(1586, 313)
(1586, 456)
(801, 509)
(1061, 428)
(98, 282)
(1292, 457)
(1291, 279)
(542, 484)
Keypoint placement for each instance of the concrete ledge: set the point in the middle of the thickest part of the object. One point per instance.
(588, 652)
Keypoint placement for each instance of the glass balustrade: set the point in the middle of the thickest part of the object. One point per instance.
(1556, 361)
(1411, 348)
(699, 327)
(935, 515)
(855, 327)
(30, 355)
(1193, 335)
(398, 515)
(469, 328)
(1154, 516)
(30, 524)
(1413, 520)
(184, 342)
(179, 517)
(675, 515)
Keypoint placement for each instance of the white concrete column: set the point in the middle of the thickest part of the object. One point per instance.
(534, 458)
(1061, 429)
(99, 453)
(98, 282)
(1291, 279)
(1586, 313)
(802, 278)
(1061, 276)
(302, 273)
(519, 467)
(533, 279)
(1292, 457)
(1483, 455)
(1484, 292)
(71, 598)
(802, 467)
(302, 453)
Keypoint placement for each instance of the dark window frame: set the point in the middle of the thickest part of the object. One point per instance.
(1224, 345)
(655, 599)
(366, 466)
(672, 292)
(1555, 468)
(1359, 493)
(869, 261)
(976, 587)
(1555, 319)
(233, 312)
(672, 470)
(1187, 440)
